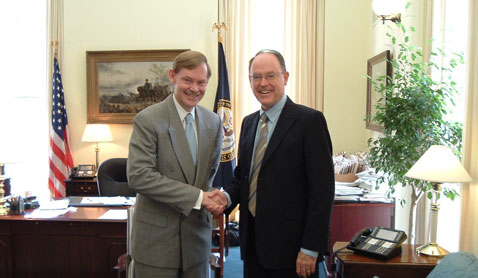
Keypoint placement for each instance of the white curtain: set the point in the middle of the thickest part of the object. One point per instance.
(422, 220)
(469, 219)
(295, 28)
(304, 45)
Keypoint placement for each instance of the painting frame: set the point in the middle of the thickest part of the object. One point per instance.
(124, 57)
(377, 66)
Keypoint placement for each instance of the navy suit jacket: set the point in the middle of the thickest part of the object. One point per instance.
(295, 186)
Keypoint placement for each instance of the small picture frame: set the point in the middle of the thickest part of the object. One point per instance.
(377, 66)
(122, 83)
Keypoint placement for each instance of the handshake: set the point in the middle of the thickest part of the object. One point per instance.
(214, 201)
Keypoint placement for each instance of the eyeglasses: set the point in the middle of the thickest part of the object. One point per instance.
(271, 76)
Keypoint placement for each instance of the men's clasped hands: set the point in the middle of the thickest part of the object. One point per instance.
(214, 201)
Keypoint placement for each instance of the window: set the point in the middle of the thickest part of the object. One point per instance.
(450, 25)
(24, 97)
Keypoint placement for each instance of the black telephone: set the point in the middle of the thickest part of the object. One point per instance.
(86, 171)
(379, 242)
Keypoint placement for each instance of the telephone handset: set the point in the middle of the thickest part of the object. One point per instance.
(379, 242)
(83, 172)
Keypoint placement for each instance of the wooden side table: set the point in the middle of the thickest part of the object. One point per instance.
(349, 218)
(409, 264)
(81, 187)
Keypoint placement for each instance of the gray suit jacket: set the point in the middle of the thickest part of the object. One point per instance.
(166, 230)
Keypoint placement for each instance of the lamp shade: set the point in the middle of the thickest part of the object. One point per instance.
(97, 133)
(387, 7)
(439, 164)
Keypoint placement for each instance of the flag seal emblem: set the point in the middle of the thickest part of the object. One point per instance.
(228, 143)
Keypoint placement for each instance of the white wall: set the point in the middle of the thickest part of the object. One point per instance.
(128, 25)
(347, 29)
(162, 24)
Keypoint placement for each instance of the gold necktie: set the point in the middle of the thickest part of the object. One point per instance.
(257, 162)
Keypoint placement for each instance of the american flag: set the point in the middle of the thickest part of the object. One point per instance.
(61, 160)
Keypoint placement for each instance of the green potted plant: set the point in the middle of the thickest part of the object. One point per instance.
(412, 110)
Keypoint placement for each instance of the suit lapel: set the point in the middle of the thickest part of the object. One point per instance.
(286, 120)
(249, 130)
(205, 134)
(179, 141)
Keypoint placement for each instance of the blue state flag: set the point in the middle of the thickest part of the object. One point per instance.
(223, 107)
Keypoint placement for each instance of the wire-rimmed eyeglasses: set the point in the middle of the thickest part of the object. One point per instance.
(271, 76)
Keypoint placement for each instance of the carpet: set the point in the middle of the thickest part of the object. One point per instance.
(233, 266)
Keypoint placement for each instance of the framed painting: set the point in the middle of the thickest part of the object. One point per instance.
(377, 66)
(122, 83)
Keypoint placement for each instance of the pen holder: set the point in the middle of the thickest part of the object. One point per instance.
(17, 205)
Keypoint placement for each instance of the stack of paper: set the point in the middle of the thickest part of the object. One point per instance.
(342, 190)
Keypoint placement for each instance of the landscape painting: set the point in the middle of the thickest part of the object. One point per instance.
(122, 83)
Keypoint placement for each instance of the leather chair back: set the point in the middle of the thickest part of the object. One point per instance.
(112, 179)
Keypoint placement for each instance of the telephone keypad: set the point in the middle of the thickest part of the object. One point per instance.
(378, 246)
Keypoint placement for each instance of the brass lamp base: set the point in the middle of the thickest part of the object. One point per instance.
(3, 211)
(432, 249)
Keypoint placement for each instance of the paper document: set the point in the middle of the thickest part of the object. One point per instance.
(346, 190)
(102, 201)
(55, 204)
(38, 213)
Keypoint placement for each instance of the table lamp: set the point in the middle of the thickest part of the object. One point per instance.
(437, 165)
(97, 133)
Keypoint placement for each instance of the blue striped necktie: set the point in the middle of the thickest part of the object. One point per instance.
(191, 136)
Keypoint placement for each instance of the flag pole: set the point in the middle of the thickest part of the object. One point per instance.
(219, 26)
(60, 158)
(223, 107)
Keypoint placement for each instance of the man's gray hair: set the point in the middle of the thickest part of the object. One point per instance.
(273, 52)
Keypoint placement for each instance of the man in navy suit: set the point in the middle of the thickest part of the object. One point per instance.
(284, 181)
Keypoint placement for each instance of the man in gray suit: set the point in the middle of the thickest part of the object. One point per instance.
(171, 165)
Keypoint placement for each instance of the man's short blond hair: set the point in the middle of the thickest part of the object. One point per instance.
(190, 59)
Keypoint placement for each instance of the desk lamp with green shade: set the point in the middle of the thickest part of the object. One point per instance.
(437, 165)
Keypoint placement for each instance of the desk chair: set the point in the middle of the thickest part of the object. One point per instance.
(112, 180)
(217, 262)
(226, 234)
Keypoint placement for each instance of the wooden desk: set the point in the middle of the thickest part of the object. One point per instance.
(409, 264)
(81, 187)
(76, 244)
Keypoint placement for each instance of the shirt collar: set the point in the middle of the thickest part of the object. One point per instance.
(274, 113)
(181, 111)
